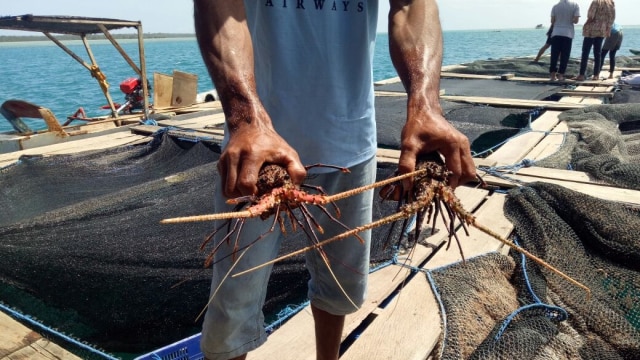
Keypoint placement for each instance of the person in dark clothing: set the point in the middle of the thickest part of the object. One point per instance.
(611, 46)
(564, 15)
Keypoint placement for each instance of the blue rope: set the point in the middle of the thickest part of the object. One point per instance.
(149, 122)
(196, 139)
(392, 261)
(552, 312)
(434, 288)
(58, 334)
(285, 314)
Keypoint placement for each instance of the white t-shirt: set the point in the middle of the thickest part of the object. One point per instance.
(313, 65)
(564, 12)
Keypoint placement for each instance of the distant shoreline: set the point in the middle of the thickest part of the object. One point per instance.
(25, 38)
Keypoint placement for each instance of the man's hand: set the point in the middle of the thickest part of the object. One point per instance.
(248, 149)
(415, 44)
(226, 47)
(426, 132)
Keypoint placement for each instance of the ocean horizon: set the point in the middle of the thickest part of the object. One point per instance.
(41, 73)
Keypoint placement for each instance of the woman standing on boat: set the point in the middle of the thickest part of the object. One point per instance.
(564, 15)
(295, 82)
(611, 46)
(600, 19)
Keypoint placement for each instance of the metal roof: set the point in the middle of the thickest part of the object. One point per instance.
(71, 25)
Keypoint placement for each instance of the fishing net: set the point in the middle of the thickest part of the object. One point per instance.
(507, 307)
(499, 307)
(525, 67)
(521, 67)
(602, 141)
(83, 250)
(84, 253)
(486, 127)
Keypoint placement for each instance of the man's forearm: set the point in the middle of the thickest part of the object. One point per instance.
(227, 51)
(415, 44)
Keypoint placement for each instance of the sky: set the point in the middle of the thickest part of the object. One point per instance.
(176, 16)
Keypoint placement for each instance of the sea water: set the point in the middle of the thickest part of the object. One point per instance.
(41, 73)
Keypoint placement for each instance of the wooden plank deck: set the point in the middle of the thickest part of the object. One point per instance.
(297, 335)
(391, 324)
(408, 327)
(19, 342)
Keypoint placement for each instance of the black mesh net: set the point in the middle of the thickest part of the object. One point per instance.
(499, 307)
(603, 140)
(83, 250)
(505, 307)
(485, 126)
(525, 67)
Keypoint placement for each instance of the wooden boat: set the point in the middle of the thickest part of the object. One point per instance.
(634, 52)
(78, 126)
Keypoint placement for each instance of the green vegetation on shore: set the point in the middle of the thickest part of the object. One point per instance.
(14, 38)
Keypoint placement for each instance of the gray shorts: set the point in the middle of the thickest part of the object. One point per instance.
(234, 322)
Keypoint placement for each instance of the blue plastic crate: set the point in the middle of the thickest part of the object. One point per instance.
(185, 349)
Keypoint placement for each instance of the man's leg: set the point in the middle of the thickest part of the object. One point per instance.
(348, 259)
(328, 334)
(234, 323)
(565, 52)
(555, 55)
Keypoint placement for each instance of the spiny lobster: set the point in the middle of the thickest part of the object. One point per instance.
(429, 197)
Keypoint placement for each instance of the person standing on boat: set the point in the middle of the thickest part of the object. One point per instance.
(600, 18)
(564, 15)
(611, 46)
(295, 82)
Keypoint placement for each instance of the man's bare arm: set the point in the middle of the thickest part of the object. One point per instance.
(227, 50)
(415, 44)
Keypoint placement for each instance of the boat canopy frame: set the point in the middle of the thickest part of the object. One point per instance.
(83, 26)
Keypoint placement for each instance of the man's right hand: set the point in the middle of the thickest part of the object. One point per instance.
(249, 147)
(227, 50)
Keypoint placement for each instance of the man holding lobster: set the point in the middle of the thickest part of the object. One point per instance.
(295, 82)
